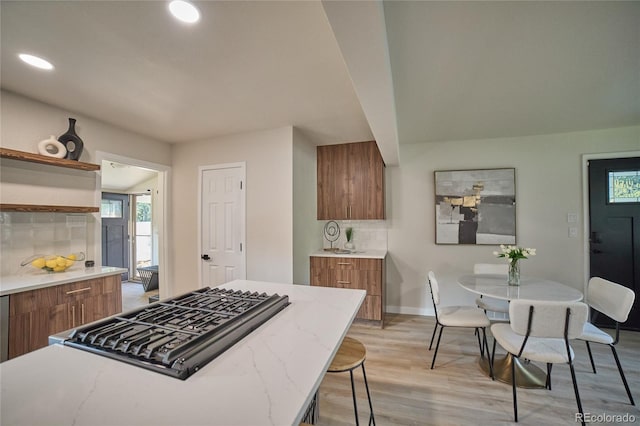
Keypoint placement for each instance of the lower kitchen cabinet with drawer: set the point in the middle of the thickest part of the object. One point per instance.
(357, 273)
(34, 315)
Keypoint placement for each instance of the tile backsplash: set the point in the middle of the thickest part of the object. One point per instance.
(26, 234)
(367, 234)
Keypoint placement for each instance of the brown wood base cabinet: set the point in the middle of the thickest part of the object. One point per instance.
(357, 273)
(34, 315)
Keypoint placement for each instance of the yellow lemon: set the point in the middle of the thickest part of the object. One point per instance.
(61, 261)
(51, 263)
(38, 263)
(71, 256)
(59, 268)
(68, 263)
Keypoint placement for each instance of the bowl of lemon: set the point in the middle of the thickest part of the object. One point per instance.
(53, 262)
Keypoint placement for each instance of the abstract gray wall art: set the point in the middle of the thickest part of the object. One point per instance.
(476, 206)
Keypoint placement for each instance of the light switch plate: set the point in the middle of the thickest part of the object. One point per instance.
(573, 232)
(572, 217)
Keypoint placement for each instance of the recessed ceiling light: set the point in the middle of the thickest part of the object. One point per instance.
(184, 11)
(35, 61)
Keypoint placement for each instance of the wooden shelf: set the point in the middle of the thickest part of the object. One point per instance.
(30, 208)
(43, 159)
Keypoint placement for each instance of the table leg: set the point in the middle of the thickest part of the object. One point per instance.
(528, 375)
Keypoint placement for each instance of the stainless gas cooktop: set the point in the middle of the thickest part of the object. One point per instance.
(179, 336)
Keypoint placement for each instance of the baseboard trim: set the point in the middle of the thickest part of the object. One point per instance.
(425, 312)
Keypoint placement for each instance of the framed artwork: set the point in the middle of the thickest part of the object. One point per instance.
(476, 206)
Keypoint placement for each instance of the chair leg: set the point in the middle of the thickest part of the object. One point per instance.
(372, 419)
(435, 353)
(575, 389)
(433, 335)
(480, 344)
(513, 386)
(486, 346)
(353, 393)
(593, 365)
(624, 380)
(548, 384)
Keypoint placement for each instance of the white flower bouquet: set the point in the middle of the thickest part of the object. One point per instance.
(514, 253)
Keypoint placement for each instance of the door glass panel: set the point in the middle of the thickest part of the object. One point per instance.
(624, 186)
(111, 208)
(143, 231)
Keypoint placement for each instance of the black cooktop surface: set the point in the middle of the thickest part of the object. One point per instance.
(179, 336)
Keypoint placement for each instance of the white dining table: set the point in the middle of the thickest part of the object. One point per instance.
(531, 288)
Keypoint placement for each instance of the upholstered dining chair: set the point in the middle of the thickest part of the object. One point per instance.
(457, 316)
(540, 331)
(489, 303)
(615, 301)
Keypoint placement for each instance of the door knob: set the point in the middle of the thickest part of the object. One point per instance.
(205, 257)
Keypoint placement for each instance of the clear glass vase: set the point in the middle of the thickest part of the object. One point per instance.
(514, 273)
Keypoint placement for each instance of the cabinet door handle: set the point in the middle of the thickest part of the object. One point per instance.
(73, 316)
(344, 263)
(78, 290)
(346, 211)
(349, 211)
(82, 313)
(344, 282)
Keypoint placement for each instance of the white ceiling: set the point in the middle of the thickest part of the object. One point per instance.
(124, 178)
(473, 70)
(399, 72)
(246, 66)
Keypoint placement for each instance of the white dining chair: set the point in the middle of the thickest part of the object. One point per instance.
(489, 303)
(540, 331)
(615, 301)
(457, 316)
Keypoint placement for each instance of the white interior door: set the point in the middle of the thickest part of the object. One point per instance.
(222, 224)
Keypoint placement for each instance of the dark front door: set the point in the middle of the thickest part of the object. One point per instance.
(115, 231)
(615, 227)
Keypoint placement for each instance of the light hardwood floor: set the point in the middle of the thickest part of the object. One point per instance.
(406, 392)
(134, 296)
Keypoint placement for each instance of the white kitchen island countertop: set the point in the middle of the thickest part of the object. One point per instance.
(37, 279)
(363, 254)
(268, 378)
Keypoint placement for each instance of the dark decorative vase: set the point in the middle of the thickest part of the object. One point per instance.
(72, 142)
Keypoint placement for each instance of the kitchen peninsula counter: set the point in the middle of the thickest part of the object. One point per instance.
(37, 280)
(268, 378)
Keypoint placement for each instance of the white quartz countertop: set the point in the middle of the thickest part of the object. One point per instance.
(37, 279)
(365, 254)
(268, 378)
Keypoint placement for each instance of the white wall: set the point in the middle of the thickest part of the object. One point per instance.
(307, 230)
(269, 246)
(25, 122)
(548, 186)
(148, 186)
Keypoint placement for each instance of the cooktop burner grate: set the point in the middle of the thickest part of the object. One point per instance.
(179, 336)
